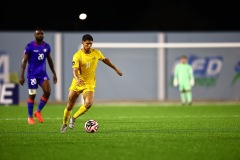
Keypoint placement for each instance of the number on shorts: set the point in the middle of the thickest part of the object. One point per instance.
(33, 81)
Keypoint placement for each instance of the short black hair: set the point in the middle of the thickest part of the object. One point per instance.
(87, 37)
(38, 29)
(184, 56)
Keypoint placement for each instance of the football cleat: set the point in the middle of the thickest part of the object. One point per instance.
(38, 115)
(31, 120)
(71, 123)
(63, 128)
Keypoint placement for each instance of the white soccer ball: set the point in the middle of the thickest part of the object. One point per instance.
(91, 126)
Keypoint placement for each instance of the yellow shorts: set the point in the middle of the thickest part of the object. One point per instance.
(82, 88)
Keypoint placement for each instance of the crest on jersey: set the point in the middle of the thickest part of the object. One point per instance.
(44, 50)
(73, 62)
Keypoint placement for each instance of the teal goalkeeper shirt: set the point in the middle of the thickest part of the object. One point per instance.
(183, 73)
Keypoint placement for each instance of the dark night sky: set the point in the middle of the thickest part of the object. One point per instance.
(122, 15)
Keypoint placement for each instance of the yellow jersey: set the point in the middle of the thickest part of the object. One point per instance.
(87, 64)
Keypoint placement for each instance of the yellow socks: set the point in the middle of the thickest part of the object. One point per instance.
(80, 111)
(66, 116)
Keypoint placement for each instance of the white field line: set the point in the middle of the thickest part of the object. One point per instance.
(143, 104)
(134, 117)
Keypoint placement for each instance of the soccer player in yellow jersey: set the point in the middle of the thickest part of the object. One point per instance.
(84, 64)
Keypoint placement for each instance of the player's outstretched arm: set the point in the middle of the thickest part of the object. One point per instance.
(109, 63)
(23, 67)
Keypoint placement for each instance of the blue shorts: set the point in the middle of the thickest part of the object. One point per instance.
(33, 82)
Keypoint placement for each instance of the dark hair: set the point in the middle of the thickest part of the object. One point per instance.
(38, 29)
(87, 37)
(184, 56)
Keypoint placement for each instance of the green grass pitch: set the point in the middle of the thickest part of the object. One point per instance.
(148, 132)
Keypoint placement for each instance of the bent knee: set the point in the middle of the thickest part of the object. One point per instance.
(47, 93)
(88, 104)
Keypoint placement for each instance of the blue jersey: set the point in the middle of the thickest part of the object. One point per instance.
(37, 58)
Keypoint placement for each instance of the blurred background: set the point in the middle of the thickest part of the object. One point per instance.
(143, 39)
(151, 15)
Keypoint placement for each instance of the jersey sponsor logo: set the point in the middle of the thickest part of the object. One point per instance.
(35, 50)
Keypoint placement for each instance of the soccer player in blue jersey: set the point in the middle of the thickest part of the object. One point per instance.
(35, 55)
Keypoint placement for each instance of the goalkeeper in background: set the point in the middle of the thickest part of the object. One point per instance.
(184, 79)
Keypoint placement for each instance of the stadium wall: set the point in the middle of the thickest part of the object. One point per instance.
(214, 68)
